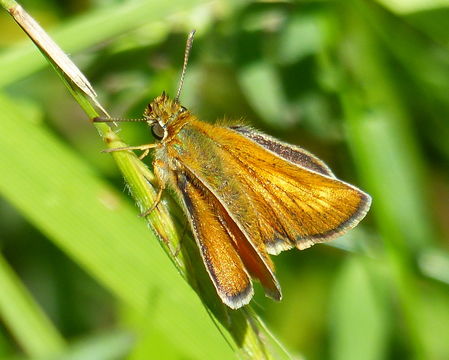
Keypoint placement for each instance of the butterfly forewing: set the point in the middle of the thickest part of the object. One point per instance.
(275, 201)
(291, 153)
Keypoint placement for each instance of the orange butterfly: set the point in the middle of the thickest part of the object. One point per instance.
(246, 194)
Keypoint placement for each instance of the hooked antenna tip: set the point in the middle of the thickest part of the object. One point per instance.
(186, 60)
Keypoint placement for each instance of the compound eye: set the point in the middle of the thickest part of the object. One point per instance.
(157, 130)
(183, 109)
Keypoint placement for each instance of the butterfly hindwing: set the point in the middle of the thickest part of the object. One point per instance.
(226, 252)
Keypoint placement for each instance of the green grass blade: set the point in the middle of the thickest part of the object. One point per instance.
(100, 231)
(24, 318)
(241, 325)
(88, 30)
(390, 162)
(104, 346)
(367, 310)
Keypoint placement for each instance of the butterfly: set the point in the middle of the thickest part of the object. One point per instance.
(246, 194)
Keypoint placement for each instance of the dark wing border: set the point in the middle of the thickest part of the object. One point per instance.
(292, 153)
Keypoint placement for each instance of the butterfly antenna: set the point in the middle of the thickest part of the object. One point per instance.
(184, 66)
(113, 120)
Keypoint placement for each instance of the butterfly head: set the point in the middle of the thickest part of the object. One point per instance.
(165, 116)
(164, 113)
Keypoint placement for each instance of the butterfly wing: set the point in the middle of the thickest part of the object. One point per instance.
(305, 160)
(278, 203)
(289, 152)
(225, 250)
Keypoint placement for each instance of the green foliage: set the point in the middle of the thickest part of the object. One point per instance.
(362, 86)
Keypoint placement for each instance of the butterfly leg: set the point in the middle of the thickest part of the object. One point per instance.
(145, 148)
(144, 154)
(157, 165)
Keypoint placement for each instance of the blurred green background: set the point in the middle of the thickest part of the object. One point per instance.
(364, 85)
